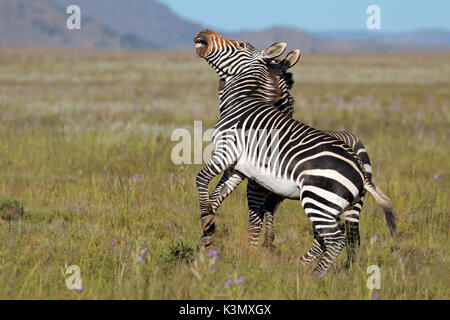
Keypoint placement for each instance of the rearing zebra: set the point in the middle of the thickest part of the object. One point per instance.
(310, 165)
(263, 202)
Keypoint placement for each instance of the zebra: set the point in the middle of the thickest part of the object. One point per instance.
(309, 165)
(263, 203)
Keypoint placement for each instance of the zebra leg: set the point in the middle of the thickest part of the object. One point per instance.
(208, 223)
(329, 239)
(255, 219)
(269, 235)
(230, 180)
(256, 198)
(324, 215)
(316, 251)
(270, 207)
(216, 165)
(334, 240)
(216, 192)
(352, 230)
(318, 246)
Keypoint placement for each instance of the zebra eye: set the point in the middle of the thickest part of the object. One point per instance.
(242, 45)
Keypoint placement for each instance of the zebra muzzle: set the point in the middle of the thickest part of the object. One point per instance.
(201, 43)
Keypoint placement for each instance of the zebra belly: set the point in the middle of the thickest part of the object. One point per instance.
(282, 187)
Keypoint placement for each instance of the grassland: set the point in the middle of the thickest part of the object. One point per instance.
(85, 149)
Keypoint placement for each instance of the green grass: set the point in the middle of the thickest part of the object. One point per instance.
(85, 150)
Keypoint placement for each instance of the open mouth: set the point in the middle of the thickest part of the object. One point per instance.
(201, 44)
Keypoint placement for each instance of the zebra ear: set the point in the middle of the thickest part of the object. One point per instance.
(292, 58)
(274, 50)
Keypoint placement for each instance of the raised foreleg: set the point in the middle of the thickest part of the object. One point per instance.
(230, 180)
(218, 163)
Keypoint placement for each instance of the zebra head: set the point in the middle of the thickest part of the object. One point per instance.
(231, 57)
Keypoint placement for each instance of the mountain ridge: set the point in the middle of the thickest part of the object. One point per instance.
(149, 24)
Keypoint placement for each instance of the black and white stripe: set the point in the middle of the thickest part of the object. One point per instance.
(301, 162)
(263, 203)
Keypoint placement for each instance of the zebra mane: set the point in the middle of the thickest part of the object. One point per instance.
(274, 83)
(286, 82)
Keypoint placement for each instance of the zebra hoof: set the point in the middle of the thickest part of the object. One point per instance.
(207, 222)
(207, 241)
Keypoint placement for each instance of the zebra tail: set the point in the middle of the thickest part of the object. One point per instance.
(385, 203)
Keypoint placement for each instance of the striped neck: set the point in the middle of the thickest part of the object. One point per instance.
(266, 85)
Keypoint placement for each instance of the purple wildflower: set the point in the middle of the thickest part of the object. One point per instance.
(79, 290)
(113, 243)
(213, 269)
(376, 296)
(228, 283)
(212, 253)
(140, 260)
(144, 251)
(239, 281)
(436, 176)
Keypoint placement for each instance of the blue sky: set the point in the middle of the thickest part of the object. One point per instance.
(314, 15)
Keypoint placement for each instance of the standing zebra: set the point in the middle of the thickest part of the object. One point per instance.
(324, 173)
(263, 202)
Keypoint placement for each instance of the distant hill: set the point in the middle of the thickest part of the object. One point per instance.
(434, 39)
(150, 22)
(140, 24)
(365, 41)
(37, 23)
(294, 38)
